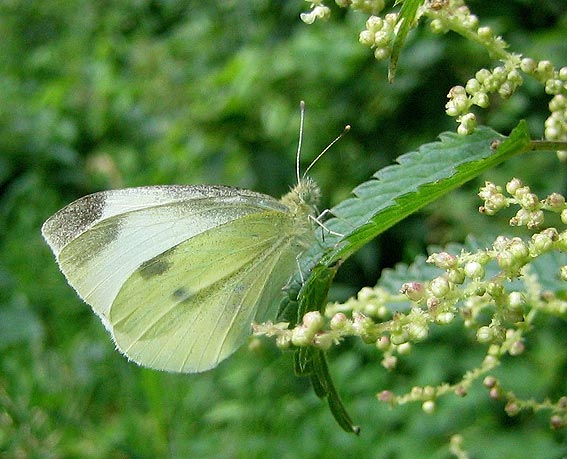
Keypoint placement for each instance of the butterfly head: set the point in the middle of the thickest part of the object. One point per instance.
(303, 198)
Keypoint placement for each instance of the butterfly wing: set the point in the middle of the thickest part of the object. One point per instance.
(124, 252)
(205, 293)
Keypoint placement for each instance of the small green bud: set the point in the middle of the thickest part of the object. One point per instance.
(494, 289)
(362, 324)
(439, 287)
(490, 382)
(493, 349)
(366, 293)
(382, 53)
(442, 260)
(456, 276)
(473, 86)
(300, 336)
(512, 408)
(495, 393)
(391, 19)
(428, 406)
(404, 349)
(374, 23)
(389, 362)
(313, 321)
(438, 26)
(536, 219)
(417, 331)
(474, 270)
(517, 348)
(484, 335)
(529, 201)
(541, 243)
(283, 341)
(489, 189)
(519, 249)
(470, 22)
(366, 37)
(516, 300)
(515, 77)
(339, 321)
(500, 74)
(416, 392)
(415, 291)
(461, 391)
(444, 318)
(323, 341)
(555, 201)
(527, 65)
(506, 89)
(382, 38)
(545, 69)
(468, 124)
(481, 99)
(559, 102)
(429, 391)
(383, 343)
(485, 33)
(482, 75)
(553, 86)
(432, 302)
(398, 338)
(513, 185)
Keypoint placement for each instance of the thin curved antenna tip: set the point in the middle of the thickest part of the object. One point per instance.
(339, 137)
(300, 141)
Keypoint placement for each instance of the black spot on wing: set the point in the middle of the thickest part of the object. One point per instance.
(181, 295)
(156, 266)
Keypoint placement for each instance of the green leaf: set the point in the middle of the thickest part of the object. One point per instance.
(418, 179)
(406, 20)
(392, 194)
(321, 373)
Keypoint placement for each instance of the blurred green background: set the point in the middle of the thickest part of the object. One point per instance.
(97, 95)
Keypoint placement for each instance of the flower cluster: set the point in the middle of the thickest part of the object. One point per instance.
(492, 291)
(379, 34)
(531, 212)
(317, 11)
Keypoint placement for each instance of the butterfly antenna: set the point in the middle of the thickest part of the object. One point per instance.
(300, 142)
(339, 137)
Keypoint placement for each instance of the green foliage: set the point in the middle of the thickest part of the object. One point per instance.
(105, 95)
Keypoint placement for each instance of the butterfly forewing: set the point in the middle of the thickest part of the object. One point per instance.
(101, 239)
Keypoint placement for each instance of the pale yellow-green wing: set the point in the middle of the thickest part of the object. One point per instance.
(101, 239)
(191, 307)
(178, 273)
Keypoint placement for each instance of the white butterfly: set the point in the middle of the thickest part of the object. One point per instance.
(178, 274)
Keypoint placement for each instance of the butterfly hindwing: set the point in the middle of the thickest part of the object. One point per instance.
(205, 293)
